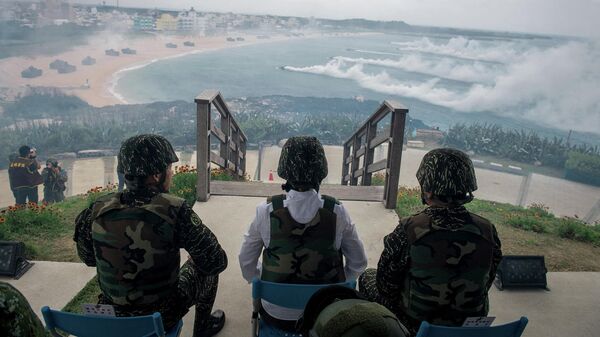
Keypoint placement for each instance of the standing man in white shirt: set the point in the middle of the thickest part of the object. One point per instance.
(304, 237)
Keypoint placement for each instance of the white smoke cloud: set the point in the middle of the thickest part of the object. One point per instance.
(446, 67)
(496, 51)
(559, 86)
(382, 82)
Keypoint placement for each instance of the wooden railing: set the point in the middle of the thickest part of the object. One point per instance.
(231, 141)
(363, 143)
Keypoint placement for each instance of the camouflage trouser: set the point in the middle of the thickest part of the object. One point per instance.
(367, 285)
(16, 317)
(193, 289)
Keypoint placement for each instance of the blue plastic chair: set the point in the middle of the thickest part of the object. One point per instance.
(512, 329)
(293, 296)
(102, 326)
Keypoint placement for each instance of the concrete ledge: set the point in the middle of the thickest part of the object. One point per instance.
(52, 283)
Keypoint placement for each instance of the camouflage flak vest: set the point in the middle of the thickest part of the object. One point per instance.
(136, 256)
(302, 253)
(449, 271)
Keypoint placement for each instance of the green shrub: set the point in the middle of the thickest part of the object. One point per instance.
(186, 177)
(184, 184)
(94, 193)
(583, 167)
(409, 201)
(378, 179)
(575, 230)
(540, 210)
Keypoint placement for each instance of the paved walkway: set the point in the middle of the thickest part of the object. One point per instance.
(52, 283)
(570, 309)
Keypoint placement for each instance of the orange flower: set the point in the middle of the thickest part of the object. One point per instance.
(2, 220)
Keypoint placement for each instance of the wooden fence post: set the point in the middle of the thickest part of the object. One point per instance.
(203, 148)
(392, 177)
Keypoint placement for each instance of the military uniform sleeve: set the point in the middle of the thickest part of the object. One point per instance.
(497, 257)
(199, 242)
(83, 237)
(393, 263)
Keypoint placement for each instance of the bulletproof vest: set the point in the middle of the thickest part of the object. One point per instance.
(20, 175)
(302, 253)
(136, 257)
(449, 270)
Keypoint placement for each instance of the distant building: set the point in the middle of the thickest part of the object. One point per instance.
(144, 23)
(191, 22)
(56, 10)
(166, 23)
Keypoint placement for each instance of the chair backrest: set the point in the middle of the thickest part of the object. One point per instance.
(512, 329)
(294, 296)
(102, 326)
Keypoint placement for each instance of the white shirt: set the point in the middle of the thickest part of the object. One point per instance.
(303, 207)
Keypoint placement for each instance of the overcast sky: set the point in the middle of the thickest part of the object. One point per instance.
(569, 17)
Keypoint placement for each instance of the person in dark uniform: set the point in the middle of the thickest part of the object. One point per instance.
(24, 176)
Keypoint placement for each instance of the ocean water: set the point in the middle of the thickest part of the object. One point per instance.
(539, 83)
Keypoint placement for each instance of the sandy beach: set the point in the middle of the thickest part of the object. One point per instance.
(100, 77)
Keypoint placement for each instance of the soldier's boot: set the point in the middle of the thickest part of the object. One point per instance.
(208, 326)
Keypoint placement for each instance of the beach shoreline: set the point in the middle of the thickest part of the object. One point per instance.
(96, 84)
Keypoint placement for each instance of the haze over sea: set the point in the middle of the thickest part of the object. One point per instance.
(528, 82)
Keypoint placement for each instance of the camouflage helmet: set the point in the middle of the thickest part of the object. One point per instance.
(337, 311)
(447, 172)
(52, 161)
(145, 155)
(303, 161)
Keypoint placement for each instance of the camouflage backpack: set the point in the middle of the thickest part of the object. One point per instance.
(302, 253)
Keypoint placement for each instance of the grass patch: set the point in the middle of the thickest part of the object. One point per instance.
(89, 294)
(47, 230)
(568, 244)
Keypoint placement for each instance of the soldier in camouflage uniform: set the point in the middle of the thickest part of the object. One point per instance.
(134, 238)
(16, 317)
(302, 235)
(438, 265)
